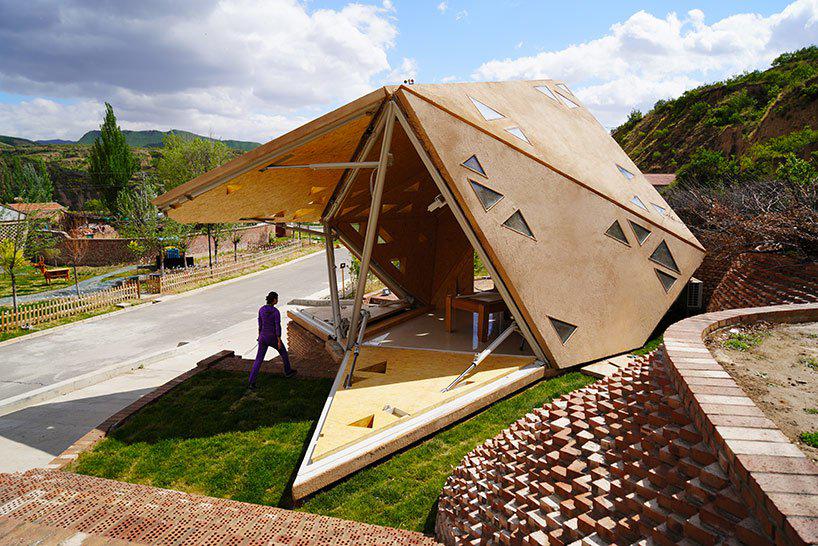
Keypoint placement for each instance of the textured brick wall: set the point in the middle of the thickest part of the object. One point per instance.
(250, 237)
(309, 355)
(759, 279)
(773, 478)
(97, 251)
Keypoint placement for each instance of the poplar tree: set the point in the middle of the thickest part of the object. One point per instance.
(111, 163)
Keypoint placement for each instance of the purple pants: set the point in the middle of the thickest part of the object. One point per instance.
(263, 345)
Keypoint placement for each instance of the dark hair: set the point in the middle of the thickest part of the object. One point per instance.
(271, 297)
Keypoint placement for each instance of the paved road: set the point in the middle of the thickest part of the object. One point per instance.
(44, 360)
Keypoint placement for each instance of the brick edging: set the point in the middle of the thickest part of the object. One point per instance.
(98, 433)
(776, 480)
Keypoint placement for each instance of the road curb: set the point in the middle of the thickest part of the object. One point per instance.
(20, 401)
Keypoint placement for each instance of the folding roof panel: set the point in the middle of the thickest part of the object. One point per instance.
(240, 190)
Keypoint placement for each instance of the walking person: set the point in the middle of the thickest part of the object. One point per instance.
(269, 335)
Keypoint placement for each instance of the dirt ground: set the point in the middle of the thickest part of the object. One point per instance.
(777, 366)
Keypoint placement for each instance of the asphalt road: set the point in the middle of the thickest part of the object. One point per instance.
(84, 347)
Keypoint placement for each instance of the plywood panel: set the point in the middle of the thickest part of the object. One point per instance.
(571, 270)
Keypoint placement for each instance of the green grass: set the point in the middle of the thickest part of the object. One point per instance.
(650, 346)
(743, 341)
(30, 281)
(810, 438)
(811, 411)
(810, 362)
(208, 437)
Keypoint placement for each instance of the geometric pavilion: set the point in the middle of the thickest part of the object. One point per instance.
(584, 255)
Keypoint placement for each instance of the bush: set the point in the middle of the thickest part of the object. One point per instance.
(707, 167)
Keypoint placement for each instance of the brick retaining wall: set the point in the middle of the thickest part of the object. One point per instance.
(773, 477)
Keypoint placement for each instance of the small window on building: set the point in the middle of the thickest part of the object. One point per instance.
(563, 329)
(516, 131)
(488, 113)
(661, 210)
(638, 202)
(564, 87)
(545, 90)
(487, 196)
(662, 256)
(516, 222)
(615, 232)
(667, 280)
(474, 165)
(567, 102)
(625, 172)
(641, 233)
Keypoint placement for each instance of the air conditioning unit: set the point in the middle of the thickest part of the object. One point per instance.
(694, 293)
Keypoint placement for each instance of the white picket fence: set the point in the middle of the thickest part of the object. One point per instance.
(29, 314)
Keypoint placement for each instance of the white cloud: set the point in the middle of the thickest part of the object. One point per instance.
(442, 7)
(646, 58)
(408, 69)
(238, 68)
(462, 14)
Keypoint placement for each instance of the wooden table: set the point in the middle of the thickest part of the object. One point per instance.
(482, 303)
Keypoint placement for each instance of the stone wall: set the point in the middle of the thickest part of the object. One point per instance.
(95, 252)
(250, 237)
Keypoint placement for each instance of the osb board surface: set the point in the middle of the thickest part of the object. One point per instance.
(569, 140)
(572, 271)
(412, 383)
(288, 195)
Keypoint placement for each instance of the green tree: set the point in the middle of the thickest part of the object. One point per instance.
(708, 168)
(184, 159)
(139, 219)
(797, 171)
(14, 245)
(111, 162)
(25, 179)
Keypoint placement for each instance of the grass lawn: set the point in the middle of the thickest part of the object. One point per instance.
(209, 437)
(31, 281)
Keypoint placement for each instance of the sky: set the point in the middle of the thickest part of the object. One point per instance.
(254, 69)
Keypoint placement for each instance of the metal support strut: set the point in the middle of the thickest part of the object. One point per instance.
(357, 350)
(480, 357)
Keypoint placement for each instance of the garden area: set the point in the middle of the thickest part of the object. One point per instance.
(777, 366)
(211, 436)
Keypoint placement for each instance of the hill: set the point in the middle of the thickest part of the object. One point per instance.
(153, 139)
(15, 141)
(755, 117)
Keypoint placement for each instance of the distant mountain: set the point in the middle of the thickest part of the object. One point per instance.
(138, 139)
(759, 115)
(153, 139)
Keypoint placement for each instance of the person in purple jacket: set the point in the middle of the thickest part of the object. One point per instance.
(269, 335)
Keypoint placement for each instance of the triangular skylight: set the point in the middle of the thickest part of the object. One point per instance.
(567, 102)
(615, 232)
(516, 131)
(487, 112)
(625, 172)
(517, 223)
(545, 90)
(638, 202)
(641, 233)
(667, 280)
(474, 165)
(661, 210)
(563, 329)
(487, 196)
(564, 87)
(662, 256)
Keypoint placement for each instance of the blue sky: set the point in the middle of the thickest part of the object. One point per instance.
(252, 69)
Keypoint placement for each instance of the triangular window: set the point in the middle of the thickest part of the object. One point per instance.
(667, 280)
(615, 232)
(659, 209)
(487, 196)
(625, 172)
(474, 165)
(563, 329)
(487, 112)
(564, 87)
(516, 131)
(638, 202)
(567, 102)
(545, 90)
(662, 256)
(641, 233)
(517, 223)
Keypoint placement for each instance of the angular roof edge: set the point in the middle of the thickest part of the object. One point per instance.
(261, 156)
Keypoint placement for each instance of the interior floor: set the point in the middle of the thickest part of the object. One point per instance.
(428, 332)
(391, 385)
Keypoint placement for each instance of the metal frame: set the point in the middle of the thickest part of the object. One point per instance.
(482, 355)
(387, 279)
(320, 166)
(372, 220)
(525, 330)
(333, 282)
